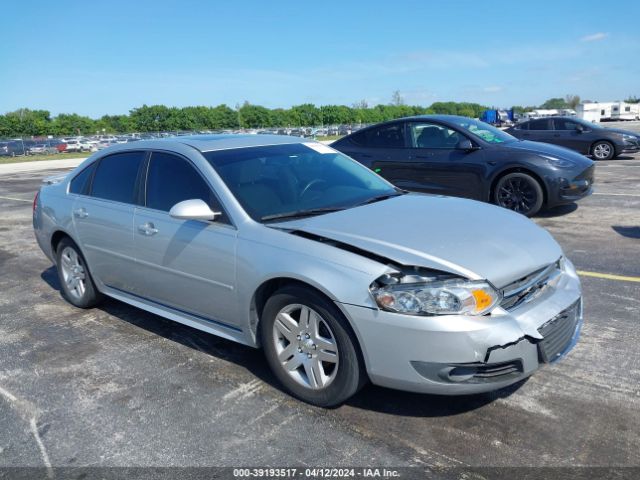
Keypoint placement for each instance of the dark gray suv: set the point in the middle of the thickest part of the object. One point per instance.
(579, 135)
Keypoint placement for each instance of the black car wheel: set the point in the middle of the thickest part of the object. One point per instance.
(519, 192)
(603, 151)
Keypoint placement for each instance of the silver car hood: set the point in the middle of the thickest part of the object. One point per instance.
(469, 238)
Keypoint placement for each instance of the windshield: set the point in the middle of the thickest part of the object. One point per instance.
(484, 131)
(286, 181)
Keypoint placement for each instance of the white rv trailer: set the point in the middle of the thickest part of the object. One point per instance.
(606, 111)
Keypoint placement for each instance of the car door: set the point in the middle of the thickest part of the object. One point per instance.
(570, 134)
(189, 265)
(103, 216)
(439, 166)
(540, 130)
(383, 149)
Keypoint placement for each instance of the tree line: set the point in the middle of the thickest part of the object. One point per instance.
(154, 118)
(160, 118)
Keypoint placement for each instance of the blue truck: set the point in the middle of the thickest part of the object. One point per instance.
(498, 118)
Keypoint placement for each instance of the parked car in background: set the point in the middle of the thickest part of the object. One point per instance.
(286, 244)
(102, 144)
(43, 149)
(87, 146)
(462, 157)
(74, 145)
(13, 148)
(579, 135)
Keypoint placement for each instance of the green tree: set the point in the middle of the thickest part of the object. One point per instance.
(254, 116)
(72, 124)
(306, 115)
(224, 116)
(555, 103)
(151, 118)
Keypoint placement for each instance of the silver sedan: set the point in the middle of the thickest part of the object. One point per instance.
(288, 245)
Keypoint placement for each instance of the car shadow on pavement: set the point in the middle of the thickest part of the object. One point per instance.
(372, 397)
(630, 232)
(408, 404)
(558, 211)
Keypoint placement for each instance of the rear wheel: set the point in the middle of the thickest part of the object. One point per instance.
(603, 150)
(519, 192)
(310, 348)
(77, 285)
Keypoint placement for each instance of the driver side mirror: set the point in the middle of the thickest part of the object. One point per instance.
(194, 209)
(579, 128)
(465, 144)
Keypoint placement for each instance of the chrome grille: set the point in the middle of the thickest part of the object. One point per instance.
(529, 287)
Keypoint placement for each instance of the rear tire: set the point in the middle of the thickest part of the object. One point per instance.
(76, 282)
(310, 347)
(519, 192)
(603, 150)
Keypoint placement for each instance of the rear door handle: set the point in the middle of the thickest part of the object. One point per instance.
(80, 213)
(147, 229)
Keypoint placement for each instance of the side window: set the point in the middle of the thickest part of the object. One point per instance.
(431, 135)
(541, 124)
(116, 175)
(387, 136)
(80, 183)
(172, 179)
(561, 124)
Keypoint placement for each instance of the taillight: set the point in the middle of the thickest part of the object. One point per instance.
(35, 201)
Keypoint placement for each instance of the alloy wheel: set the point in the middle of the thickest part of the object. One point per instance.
(73, 273)
(517, 194)
(602, 151)
(305, 346)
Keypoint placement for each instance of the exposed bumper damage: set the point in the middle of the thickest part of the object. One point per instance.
(455, 355)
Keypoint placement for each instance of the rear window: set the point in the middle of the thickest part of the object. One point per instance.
(116, 175)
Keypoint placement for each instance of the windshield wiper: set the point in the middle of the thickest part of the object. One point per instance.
(301, 213)
(379, 198)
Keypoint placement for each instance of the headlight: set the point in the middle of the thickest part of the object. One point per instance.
(445, 297)
(629, 138)
(559, 162)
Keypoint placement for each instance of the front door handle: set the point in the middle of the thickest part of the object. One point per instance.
(147, 229)
(80, 213)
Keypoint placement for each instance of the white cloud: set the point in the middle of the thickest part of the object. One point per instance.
(594, 37)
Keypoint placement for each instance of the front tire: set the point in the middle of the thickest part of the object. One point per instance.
(519, 192)
(310, 347)
(603, 150)
(77, 285)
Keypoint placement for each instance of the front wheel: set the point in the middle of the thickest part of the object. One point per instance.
(603, 151)
(310, 348)
(519, 192)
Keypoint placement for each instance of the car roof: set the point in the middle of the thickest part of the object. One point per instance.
(211, 142)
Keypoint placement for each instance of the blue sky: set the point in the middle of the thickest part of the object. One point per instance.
(103, 57)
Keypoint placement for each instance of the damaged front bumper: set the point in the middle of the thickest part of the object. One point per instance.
(457, 355)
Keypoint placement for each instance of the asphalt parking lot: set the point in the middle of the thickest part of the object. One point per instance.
(116, 386)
